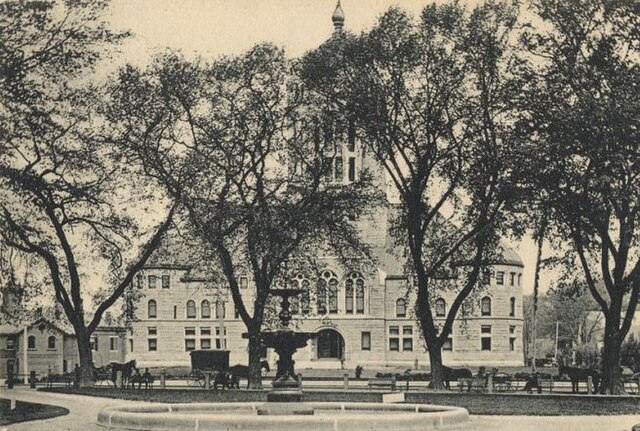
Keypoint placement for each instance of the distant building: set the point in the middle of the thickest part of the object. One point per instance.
(46, 349)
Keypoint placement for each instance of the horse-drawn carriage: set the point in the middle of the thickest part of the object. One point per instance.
(212, 363)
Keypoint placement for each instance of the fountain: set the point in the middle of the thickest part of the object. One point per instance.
(286, 386)
(284, 409)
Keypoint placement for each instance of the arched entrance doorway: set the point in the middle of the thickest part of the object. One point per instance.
(330, 344)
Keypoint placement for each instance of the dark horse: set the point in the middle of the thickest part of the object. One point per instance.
(449, 374)
(242, 372)
(576, 375)
(126, 368)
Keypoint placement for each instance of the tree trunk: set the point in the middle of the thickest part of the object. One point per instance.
(86, 359)
(536, 289)
(611, 378)
(437, 373)
(255, 370)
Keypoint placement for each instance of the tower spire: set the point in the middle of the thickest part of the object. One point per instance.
(338, 18)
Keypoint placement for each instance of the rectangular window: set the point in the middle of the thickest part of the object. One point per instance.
(152, 281)
(139, 281)
(448, 344)
(485, 329)
(519, 279)
(113, 344)
(513, 279)
(500, 278)
(486, 343)
(153, 344)
(93, 343)
(338, 174)
(205, 331)
(131, 345)
(175, 311)
(205, 343)
(244, 282)
(165, 281)
(221, 342)
(11, 343)
(486, 276)
(152, 330)
(365, 340)
(189, 344)
(352, 169)
(190, 332)
(407, 338)
(394, 338)
(351, 136)
(485, 339)
(512, 344)
(512, 329)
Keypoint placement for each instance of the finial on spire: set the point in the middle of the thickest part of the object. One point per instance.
(338, 17)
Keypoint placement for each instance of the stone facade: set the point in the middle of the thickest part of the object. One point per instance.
(51, 350)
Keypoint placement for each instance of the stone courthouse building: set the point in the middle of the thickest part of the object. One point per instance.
(360, 318)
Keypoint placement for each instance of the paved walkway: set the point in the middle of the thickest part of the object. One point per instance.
(83, 412)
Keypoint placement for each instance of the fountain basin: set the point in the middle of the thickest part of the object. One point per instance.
(244, 416)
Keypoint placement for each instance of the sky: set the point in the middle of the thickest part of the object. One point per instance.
(213, 28)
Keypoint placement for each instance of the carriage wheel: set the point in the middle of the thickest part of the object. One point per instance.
(196, 379)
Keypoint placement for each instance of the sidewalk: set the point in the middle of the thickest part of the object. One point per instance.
(83, 411)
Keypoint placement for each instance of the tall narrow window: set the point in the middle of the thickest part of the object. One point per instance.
(512, 307)
(139, 281)
(348, 296)
(205, 309)
(321, 291)
(500, 278)
(486, 306)
(166, 281)
(175, 311)
(51, 343)
(152, 281)
(333, 295)
(485, 337)
(305, 300)
(113, 344)
(191, 309)
(512, 279)
(394, 338)
(407, 338)
(31, 342)
(220, 310)
(441, 307)
(401, 308)
(359, 296)
(152, 311)
(352, 169)
(244, 282)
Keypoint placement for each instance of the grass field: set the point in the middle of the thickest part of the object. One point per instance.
(479, 404)
(25, 412)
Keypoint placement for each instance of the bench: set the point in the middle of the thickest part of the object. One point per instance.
(476, 384)
(383, 382)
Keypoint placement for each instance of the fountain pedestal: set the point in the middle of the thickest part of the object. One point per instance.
(286, 386)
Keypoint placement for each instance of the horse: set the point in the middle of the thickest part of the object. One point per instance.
(449, 374)
(126, 369)
(242, 371)
(576, 375)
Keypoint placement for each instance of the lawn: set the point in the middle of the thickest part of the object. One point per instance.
(25, 412)
(478, 404)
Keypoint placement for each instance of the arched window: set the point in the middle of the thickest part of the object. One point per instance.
(348, 296)
(300, 304)
(351, 294)
(51, 344)
(220, 310)
(191, 309)
(401, 308)
(512, 307)
(205, 309)
(486, 306)
(152, 311)
(359, 296)
(441, 307)
(31, 342)
(327, 293)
